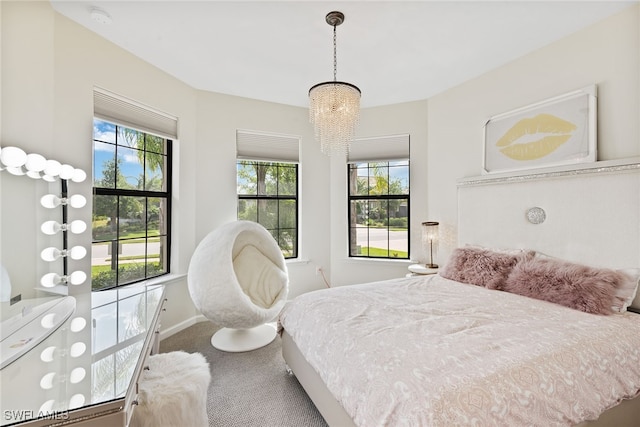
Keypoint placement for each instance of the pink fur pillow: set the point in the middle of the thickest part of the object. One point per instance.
(481, 267)
(584, 288)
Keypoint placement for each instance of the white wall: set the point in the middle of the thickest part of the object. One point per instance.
(607, 54)
(411, 118)
(50, 66)
(219, 116)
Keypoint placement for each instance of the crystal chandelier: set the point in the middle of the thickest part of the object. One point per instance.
(334, 107)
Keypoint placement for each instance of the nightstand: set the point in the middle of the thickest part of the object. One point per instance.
(421, 269)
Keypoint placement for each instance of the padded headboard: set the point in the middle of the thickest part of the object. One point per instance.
(592, 213)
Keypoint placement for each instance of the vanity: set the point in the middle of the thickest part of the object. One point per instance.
(86, 373)
(69, 356)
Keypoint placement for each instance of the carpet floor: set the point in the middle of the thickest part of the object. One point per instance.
(247, 389)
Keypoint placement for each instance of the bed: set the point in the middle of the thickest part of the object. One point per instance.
(488, 340)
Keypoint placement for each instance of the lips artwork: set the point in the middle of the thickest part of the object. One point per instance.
(548, 132)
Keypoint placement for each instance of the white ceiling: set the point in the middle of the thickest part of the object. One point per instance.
(395, 51)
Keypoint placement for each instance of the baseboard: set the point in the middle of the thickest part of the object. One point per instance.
(166, 333)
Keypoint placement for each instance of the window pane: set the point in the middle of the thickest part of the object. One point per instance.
(156, 207)
(104, 165)
(156, 256)
(268, 213)
(359, 177)
(287, 181)
(379, 179)
(131, 268)
(359, 212)
(247, 178)
(103, 272)
(129, 169)
(130, 138)
(105, 210)
(248, 210)
(104, 131)
(270, 185)
(398, 243)
(399, 179)
(155, 165)
(131, 220)
(287, 214)
(155, 144)
(287, 242)
(359, 237)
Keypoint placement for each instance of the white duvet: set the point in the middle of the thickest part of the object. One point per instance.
(428, 351)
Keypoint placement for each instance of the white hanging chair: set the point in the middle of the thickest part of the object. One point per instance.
(238, 280)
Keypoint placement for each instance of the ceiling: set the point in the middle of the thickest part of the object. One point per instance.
(394, 51)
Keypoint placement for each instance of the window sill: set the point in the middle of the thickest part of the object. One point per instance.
(296, 261)
(354, 260)
(163, 280)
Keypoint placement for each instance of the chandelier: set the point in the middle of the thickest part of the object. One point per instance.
(334, 107)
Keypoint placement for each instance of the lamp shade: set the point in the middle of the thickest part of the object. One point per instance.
(430, 242)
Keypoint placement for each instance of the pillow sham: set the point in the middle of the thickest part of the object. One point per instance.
(584, 288)
(628, 291)
(481, 267)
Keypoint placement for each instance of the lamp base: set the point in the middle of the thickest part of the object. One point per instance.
(431, 265)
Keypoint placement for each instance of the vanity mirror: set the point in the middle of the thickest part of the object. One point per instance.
(35, 222)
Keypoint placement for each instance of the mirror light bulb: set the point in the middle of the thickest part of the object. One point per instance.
(17, 171)
(52, 168)
(77, 201)
(49, 280)
(13, 157)
(50, 254)
(34, 174)
(66, 171)
(78, 324)
(47, 354)
(46, 382)
(77, 375)
(77, 252)
(77, 277)
(50, 227)
(47, 407)
(48, 320)
(78, 175)
(76, 401)
(35, 163)
(77, 349)
(78, 226)
(50, 201)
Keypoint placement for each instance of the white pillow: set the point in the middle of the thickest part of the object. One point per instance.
(260, 278)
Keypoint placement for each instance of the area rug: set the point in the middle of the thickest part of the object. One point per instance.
(248, 389)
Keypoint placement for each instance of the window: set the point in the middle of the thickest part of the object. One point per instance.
(131, 200)
(267, 185)
(378, 197)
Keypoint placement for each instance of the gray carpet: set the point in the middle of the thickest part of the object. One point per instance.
(248, 389)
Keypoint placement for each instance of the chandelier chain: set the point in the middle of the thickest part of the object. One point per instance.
(335, 56)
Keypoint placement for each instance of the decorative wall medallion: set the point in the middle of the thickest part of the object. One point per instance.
(536, 215)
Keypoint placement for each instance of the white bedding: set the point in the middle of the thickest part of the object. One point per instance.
(431, 351)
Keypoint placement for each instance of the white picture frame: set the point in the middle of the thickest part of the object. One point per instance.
(558, 131)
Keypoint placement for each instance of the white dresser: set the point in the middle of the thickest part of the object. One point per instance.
(86, 372)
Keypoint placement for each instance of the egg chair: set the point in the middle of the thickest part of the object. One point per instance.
(238, 279)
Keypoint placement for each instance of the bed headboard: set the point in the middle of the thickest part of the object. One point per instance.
(591, 213)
